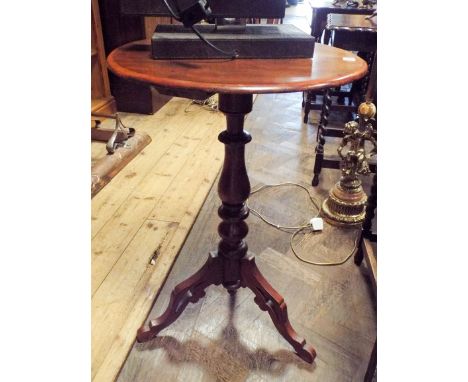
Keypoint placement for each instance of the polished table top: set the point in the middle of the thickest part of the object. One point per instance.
(330, 67)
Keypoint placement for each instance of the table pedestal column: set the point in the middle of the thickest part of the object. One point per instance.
(232, 265)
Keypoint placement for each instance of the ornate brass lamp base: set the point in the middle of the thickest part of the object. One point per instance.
(346, 203)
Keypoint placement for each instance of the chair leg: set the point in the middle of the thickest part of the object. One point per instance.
(367, 224)
(359, 255)
(318, 161)
(321, 130)
(370, 208)
(306, 105)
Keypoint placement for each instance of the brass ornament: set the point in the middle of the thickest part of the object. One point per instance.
(346, 202)
(367, 110)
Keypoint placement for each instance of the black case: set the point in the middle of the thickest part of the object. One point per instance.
(257, 41)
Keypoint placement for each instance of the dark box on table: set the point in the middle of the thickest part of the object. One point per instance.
(255, 41)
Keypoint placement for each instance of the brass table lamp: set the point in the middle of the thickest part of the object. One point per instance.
(346, 202)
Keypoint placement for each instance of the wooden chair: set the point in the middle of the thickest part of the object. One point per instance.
(355, 33)
(320, 11)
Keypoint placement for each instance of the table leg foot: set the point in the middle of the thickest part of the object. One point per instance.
(318, 162)
(190, 290)
(268, 299)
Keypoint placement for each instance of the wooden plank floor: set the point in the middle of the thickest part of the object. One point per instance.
(332, 307)
(144, 214)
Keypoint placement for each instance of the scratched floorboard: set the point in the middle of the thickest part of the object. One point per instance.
(218, 339)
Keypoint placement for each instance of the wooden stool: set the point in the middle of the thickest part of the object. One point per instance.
(320, 11)
(322, 8)
(355, 33)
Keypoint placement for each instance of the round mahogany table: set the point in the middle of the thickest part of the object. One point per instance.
(236, 81)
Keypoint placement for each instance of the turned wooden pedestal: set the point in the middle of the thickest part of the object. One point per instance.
(232, 265)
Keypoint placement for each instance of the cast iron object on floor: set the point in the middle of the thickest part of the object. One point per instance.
(232, 265)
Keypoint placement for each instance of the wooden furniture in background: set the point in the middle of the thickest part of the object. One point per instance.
(152, 22)
(321, 9)
(365, 249)
(101, 98)
(103, 170)
(117, 30)
(236, 81)
(355, 33)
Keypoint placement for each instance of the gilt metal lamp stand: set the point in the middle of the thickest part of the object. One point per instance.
(346, 202)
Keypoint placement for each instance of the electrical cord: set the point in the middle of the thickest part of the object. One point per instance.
(297, 229)
(355, 247)
(233, 54)
(210, 104)
(176, 15)
(172, 12)
(256, 213)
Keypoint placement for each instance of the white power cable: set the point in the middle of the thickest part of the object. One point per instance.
(297, 229)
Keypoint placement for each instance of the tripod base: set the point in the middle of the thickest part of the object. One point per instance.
(211, 273)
